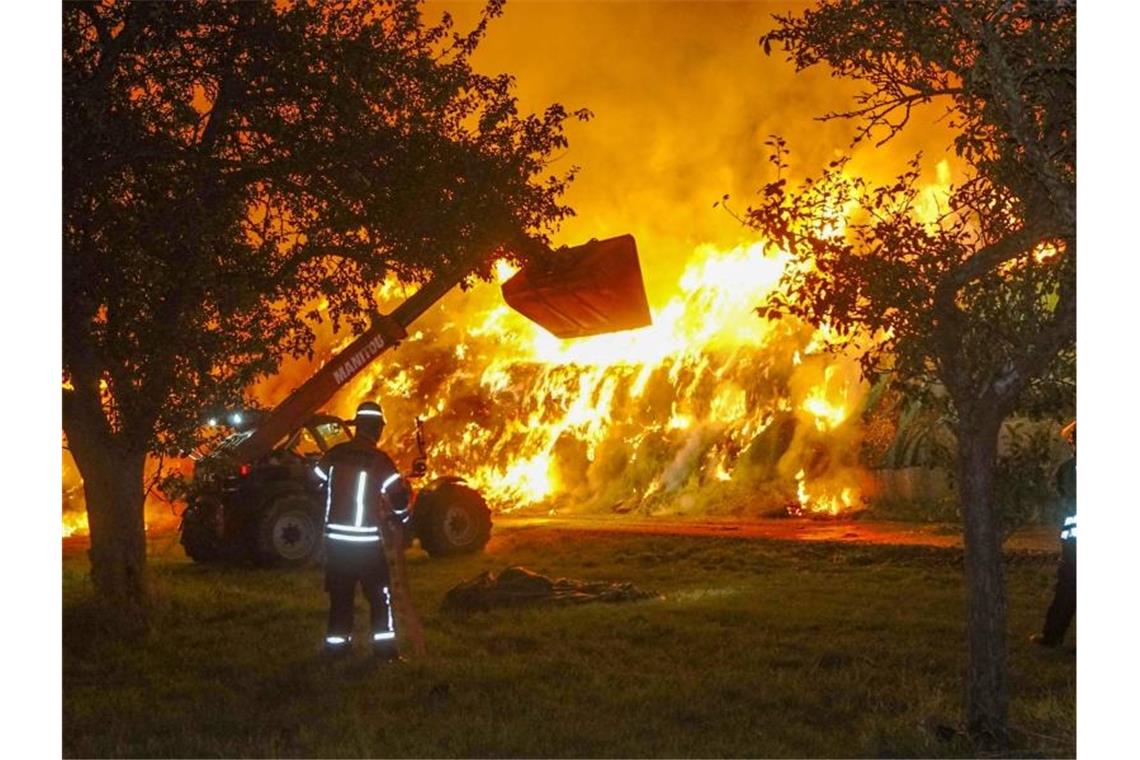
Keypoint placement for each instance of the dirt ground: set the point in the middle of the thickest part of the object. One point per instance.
(945, 535)
(1036, 538)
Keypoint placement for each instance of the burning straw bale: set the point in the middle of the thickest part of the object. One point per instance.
(672, 418)
(519, 586)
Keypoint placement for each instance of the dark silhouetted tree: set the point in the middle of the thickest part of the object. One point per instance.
(981, 299)
(228, 166)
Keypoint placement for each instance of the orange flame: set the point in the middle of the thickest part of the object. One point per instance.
(835, 503)
(648, 415)
(680, 409)
(74, 523)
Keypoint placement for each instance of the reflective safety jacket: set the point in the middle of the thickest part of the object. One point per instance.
(361, 485)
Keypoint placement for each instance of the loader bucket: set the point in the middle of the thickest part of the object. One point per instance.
(585, 290)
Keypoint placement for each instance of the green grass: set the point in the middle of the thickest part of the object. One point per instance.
(755, 648)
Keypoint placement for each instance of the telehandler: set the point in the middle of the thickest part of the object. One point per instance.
(255, 496)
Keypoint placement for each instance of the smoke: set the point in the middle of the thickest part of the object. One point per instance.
(713, 410)
(683, 99)
(716, 412)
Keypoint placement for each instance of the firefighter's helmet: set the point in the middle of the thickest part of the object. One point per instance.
(369, 420)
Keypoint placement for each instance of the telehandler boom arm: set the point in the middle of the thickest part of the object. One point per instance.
(386, 331)
(585, 290)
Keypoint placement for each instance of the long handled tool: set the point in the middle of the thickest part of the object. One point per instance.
(409, 626)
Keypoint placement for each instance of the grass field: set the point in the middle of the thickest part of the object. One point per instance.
(754, 648)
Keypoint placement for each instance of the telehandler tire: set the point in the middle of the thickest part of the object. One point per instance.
(200, 539)
(287, 532)
(451, 518)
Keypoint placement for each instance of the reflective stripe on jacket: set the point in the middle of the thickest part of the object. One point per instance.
(1069, 531)
(361, 483)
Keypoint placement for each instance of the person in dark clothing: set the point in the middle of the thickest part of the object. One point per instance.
(1064, 605)
(362, 488)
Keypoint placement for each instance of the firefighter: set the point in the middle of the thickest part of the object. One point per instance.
(1064, 604)
(362, 488)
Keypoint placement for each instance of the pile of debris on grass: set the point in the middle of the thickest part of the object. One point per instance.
(517, 586)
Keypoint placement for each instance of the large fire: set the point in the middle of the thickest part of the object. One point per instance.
(712, 409)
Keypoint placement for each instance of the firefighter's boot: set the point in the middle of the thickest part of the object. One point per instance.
(336, 647)
(384, 647)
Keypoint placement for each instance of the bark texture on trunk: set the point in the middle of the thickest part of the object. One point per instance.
(987, 687)
(113, 488)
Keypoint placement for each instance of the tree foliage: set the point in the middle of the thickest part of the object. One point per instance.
(982, 295)
(233, 172)
(229, 166)
(979, 296)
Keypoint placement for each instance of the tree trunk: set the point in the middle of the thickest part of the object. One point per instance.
(113, 488)
(987, 688)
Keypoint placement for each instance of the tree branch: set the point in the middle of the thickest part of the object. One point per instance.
(985, 260)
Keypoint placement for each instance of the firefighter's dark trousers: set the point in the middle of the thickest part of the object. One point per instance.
(347, 564)
(1064, 605)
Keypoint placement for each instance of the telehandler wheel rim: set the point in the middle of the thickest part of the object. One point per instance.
(294, 536)
(458, 526)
